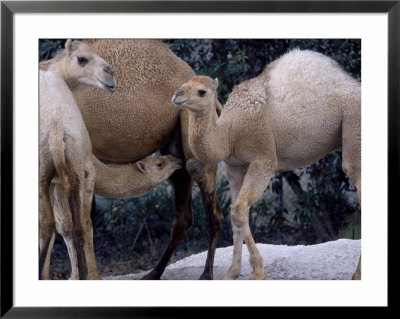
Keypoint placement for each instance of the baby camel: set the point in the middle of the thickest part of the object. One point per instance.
(300, 108)
(65, 148)
(113, 181)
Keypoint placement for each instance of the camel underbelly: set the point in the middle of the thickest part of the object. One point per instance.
(300, 147)
(130, 140)
(289, 163)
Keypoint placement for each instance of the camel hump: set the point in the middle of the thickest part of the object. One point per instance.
(143, 62)
(299, 81)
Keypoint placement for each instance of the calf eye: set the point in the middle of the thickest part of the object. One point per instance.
(160, 164)
(82, 61)
(201, 93)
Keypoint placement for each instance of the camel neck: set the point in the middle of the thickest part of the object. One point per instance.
(208, 137)
(58, 67)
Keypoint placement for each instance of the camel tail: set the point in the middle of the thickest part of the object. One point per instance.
(57, 150)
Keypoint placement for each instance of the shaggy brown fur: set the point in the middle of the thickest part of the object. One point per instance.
(139, 119)
(65, 149)
(300, 108)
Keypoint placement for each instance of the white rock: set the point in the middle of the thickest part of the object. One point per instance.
(335, 260)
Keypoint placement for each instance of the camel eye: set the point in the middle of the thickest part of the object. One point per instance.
(201, 93)
(82, 60)
(160, 165)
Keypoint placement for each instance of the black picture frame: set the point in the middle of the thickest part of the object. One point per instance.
(9, 8)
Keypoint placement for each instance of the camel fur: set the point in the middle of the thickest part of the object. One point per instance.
(65, 149)
(300, 108)
(129, 180)
(123, 128)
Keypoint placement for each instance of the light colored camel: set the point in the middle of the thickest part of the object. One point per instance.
(128, 180)
(139, 118)
(65, 149)
(300, 108)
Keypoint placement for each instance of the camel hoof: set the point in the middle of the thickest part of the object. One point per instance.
(152, 275)
(231, 275)
(206, 276)
(259, 274)
(74, 276)
(356, 276)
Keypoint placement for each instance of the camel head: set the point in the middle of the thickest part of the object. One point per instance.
(83, 67)
(158, 169)
(197, 95)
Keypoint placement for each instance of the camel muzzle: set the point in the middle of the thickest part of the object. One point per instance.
(109, 84)
(177, 161)
(176, 100)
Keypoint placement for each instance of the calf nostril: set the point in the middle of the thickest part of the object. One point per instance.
(107, 69)
(179, 92)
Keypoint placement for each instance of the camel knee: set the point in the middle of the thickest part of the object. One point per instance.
(196, 170)
(183, 223)
(215, 221)
(187, 221)
(65, 230)
(238, 215)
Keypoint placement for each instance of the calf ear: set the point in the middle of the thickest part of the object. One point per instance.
(216, 83)
(141, 166)
(68, 46)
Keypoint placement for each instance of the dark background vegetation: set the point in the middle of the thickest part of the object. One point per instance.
(306, 206)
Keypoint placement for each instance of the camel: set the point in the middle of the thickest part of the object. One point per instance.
(128, 180)
(65, 150)
(300, 108)
(123, 128)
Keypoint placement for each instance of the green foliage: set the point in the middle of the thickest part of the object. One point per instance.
(325, 200)
(49, 47)
(233, 61)
(125, 228)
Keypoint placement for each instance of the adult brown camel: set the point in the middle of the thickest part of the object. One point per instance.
(140, 119)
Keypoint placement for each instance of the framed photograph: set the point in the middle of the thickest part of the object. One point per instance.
(25, 25)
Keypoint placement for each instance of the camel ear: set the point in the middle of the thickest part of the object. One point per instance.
(68, 46)
(141, 166)
(216, 83)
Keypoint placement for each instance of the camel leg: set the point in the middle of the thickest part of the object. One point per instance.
(235, 176)
(46, 228)
(87, 223)
(351, 165)
(183, 219)
(357, 274)
(205, 176)
(75, 201)
(255, 181)
(46, 266)
(64, 226)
